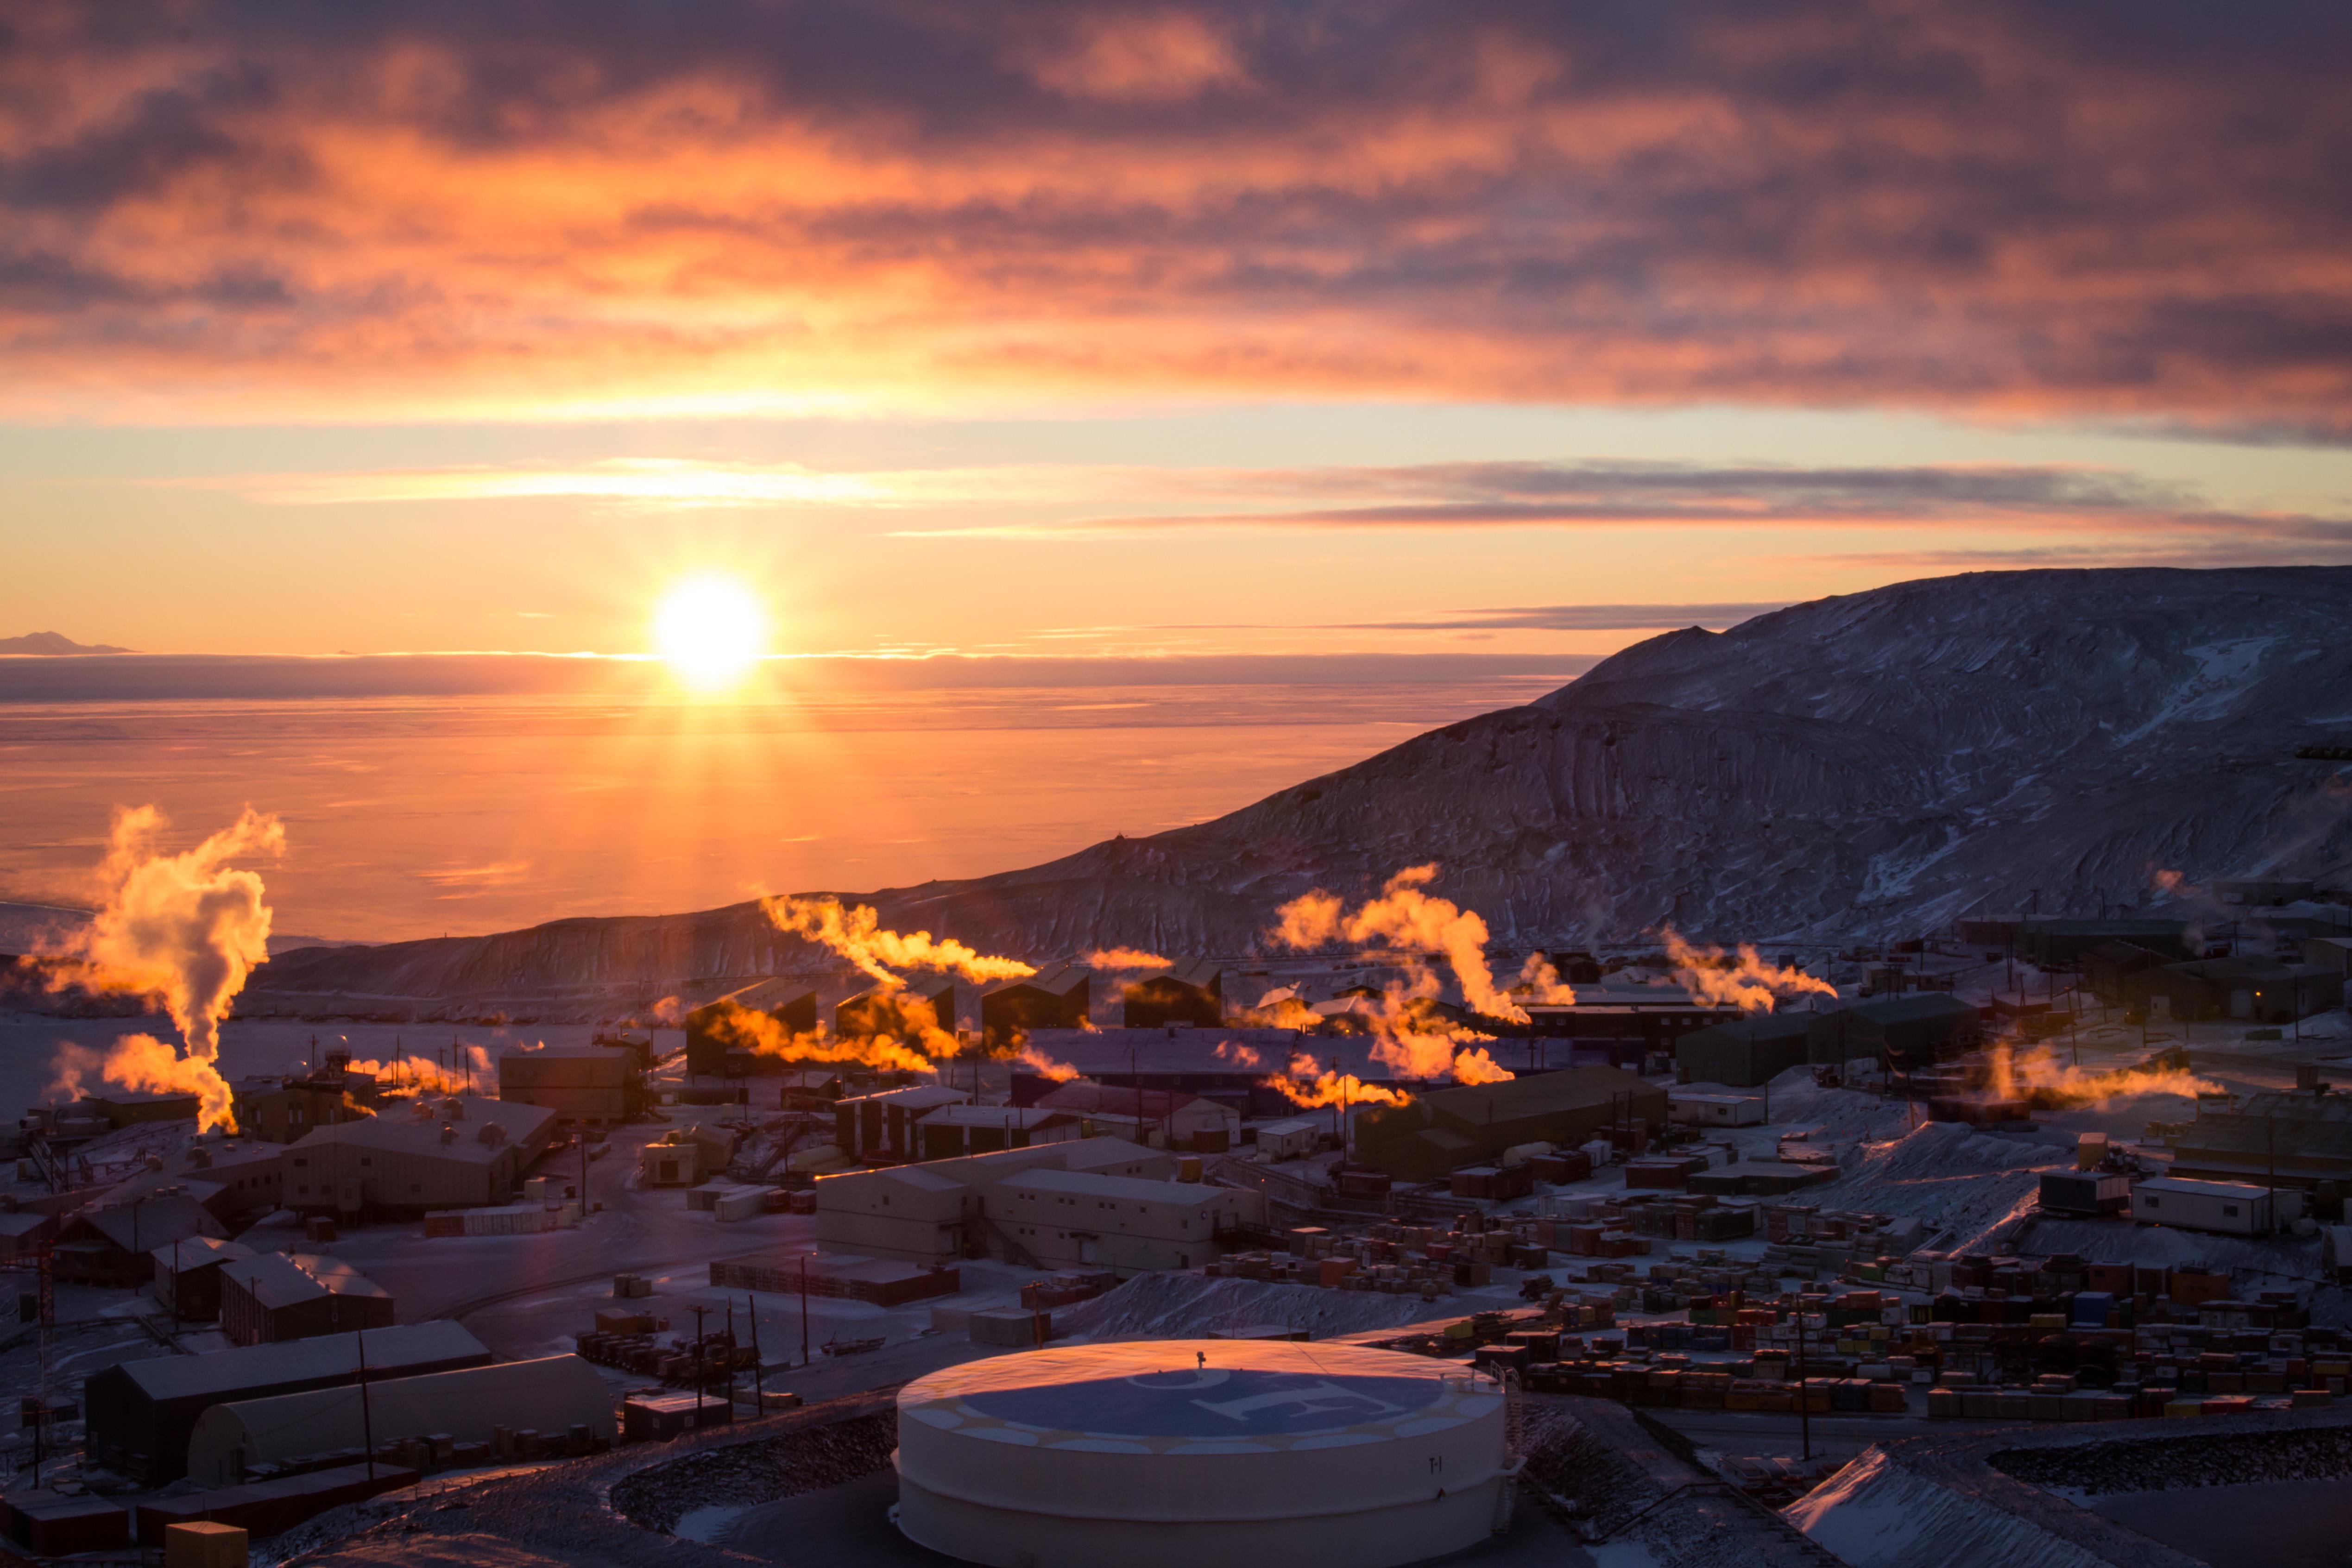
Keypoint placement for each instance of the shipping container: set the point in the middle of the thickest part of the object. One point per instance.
(2085, 1192)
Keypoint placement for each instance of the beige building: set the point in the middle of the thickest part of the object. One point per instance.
(596, 1083)
(1081, 1220)
(1100, 1202)
(685, 1157)
(459, 1152)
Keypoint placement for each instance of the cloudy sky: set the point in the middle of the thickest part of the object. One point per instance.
(1113, 328)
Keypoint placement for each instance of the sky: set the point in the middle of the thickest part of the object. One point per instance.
(1103, 329)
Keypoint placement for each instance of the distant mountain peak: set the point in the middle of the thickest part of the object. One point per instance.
(53, 642)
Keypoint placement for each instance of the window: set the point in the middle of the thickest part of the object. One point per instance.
(366, 1160)
(415, 1186)
(2230, 1210)
(301, 1163)
(302, 1191)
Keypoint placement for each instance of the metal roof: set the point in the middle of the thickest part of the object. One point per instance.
(223, 1372)
(1057, 980)
(276, 1279)
(2187, 1188)
(995, 1116)
(771, 994)
(406, 1131)
(1088, 1184)
(139, 1224)
(914, 1097)
(199, 1252)
(1095, 1100)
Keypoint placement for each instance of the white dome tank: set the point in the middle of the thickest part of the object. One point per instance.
(1183, 1453)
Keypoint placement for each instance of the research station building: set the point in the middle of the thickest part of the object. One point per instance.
(456, 1152)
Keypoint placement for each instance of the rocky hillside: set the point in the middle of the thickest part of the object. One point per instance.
(1874, 764)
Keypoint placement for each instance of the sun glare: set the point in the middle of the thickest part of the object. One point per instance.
(712, 630)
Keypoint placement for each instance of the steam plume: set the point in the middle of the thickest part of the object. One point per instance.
(1406, 919)
(858, 935)
(185, 930)
(2036, 1076)
(1746, 982)
(1477, 1066)
(1279, 1009)
(1408, 1036)
(430, 1075)
(1038, 1061)
(1126, 958)
(1542, 984)
(1237, 1053)
(766, 1035)
(1322, 1086)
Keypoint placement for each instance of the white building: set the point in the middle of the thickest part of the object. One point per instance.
(1078, 1219)
(1704, 1110)
(1288, 1139)
(2230, 1208)
(552, 1394)
(1133, 1216)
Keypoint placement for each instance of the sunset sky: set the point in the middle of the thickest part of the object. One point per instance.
(1090, 329)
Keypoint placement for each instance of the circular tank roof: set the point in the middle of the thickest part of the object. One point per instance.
(1183, 1451)
(1173, 1395)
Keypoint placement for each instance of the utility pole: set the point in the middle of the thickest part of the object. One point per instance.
(759, 1384)
(1804, 1396)
(730, 1359)
(804, 1348)
(697, 1369)
(367, 1416)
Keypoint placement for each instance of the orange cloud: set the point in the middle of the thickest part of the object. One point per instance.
(838, 206)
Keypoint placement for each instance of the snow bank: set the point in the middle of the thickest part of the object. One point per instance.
(1877, 1514)
(1972, 1186)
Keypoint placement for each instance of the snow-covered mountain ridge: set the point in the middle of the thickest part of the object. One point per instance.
(1873, 764)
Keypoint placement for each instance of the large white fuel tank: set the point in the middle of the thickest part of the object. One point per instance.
(1178, 1453)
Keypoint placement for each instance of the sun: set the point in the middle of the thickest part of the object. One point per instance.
(712, 630)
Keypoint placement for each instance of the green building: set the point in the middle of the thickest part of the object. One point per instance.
(1436, 1134)
(1743, 1055)
(1907, 1031)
